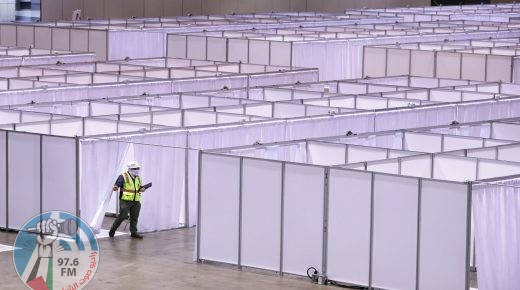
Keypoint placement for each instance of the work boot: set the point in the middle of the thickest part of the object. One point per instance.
(136, 236)
(111, 233)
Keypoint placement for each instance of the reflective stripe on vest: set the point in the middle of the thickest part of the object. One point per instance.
(131, 188)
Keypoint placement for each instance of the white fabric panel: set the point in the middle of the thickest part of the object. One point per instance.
(499, 68)
(489, 153)
(509, 153)
(325, 153)
(445, 96)
(395, 232)
(505, 131)
(473, 67)
(454, 168)
(217, 48)
(353, 88)
(286, 110)
(492, 142)
(227, 118)
(259, 51)
(168, 118)
(452, 143)
(146, 44)
(398, 62)
(491, 169)
(3, 177)
(38, 128)
(422, 142)
(374, 62)
(349, 226)
(495, 214)
(67, 127)
(261, 214)
(238, 50)
(100, 109)
(448, 65)
(9, 117)
(96, 185)
(302, 218)
(196, 47)
(361, 154)
(423, 63)
(219, 204)
(198, 118)
(99, 127)
(443, 239)
(194, 102)
(386, 166)
(59, 174)
(145, 118)
(418, 166)
(281, 53)
(24, 178)
(177, 46)
(273, 94)
(370, 103)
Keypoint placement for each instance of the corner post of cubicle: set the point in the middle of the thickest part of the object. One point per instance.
(186, 180)
(240, 187)
(371, 247)
(41, 174)
(418, 251)
(468, 233)
(199, 220)
(282, 216)
(7, 181)
(325, 221)
(78, 176)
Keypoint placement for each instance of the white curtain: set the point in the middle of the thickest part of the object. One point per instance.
(101, 163)
(416, 117)
(496, 216)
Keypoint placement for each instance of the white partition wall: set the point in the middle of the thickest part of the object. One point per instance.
(303, 200)
(40, 173)
(355, 227)
(348, 251)
(396, 203)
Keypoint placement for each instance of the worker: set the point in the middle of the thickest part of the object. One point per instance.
(130, 189)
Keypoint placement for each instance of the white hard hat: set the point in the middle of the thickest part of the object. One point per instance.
(133, 164)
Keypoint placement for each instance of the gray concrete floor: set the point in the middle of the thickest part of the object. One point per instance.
(162, 260)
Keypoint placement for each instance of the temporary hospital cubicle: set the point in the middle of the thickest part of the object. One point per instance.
(483, 60)
(40, 173)
(356, 228)
(343, 58)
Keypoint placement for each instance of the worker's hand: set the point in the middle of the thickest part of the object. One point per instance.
(114, 188)
(142, 189)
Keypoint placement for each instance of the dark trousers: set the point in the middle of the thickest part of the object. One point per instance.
(125, 207)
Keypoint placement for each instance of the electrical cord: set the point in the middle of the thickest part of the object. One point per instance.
(314, 272)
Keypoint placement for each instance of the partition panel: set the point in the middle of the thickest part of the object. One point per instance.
(505, 131)
(492, 169)
(362, 154)
(422, 142)
(349, 222)
(398, 62)
(443, 235)
(219, 208)
(238, 50)
(261, 214)
(482, 153)
(374, 62)
(8, 35)
(454, 168)
(217, 48)
(509, 153)
(25, 36)
(385, 166)
(59, 174)
(177, 46)
(423, 63)
(196, 47)
(42, 37)
(394, 250)
(325, 153)
(259, 52)
(418, 166)
(452, 143)
(3, 179)
(448, 65)
(24, 178)
(499, 68)
(281, 53)
(303, 218)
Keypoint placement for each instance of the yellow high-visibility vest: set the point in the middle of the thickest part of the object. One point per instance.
(131, 188)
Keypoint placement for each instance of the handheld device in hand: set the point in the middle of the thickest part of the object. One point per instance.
(146, 186)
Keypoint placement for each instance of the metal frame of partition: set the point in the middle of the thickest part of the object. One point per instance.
(75, 158)
(325, 229)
